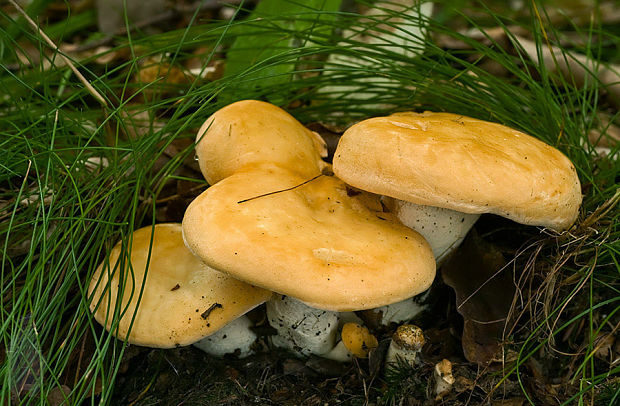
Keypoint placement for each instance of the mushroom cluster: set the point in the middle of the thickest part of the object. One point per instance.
(277, 219)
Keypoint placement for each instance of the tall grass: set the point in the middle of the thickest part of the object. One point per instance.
(61, 211)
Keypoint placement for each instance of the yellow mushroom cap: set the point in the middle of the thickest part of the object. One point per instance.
(358, 340)
(460, 163)
(312, 242)
(183, 300)
(252, 132)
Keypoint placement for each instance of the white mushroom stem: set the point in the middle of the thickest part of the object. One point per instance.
(443, 378)
(348, 317)
(301, 328)
(444, 229)
(406, 344)
(402, 311)
(339, 353)
(234, 338)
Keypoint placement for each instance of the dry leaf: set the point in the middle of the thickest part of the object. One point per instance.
(111, 13)
(483, 296)
(59, 396)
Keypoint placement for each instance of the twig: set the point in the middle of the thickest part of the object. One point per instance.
(279, 191)
(82, 79)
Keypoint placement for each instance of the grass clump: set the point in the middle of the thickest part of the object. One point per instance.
(76, 176)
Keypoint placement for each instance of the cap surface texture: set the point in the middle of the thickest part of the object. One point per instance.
(183, 300)
(310, 241)
(252, 132)
(460, 163)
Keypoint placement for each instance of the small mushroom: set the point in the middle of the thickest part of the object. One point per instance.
(301, 328)
(443, 378)
(181, 300)
(406, 344)
(358, 340)
(235, 338)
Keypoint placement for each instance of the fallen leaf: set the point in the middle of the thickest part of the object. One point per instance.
(162, 79)
(464, 384)
(604, 346)
(483, 296)
(59, 396)
(111, 13)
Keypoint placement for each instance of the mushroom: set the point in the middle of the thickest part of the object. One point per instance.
(462, 164)
(251, 132)
(407, 342)
(316, 243)
(358, 340)
(440, 171)
(278, 222)
(443, 378)
(181, 300)
(324, 248)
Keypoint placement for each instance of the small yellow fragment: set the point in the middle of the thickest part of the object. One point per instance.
(358, 340)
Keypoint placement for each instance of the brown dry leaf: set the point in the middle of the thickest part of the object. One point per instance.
(574, 66)
(59, 396)
(483, 296)
(582, 12)
(111, 13)
(464, 384)
(178, 146)
(604, 346)
(161, 77)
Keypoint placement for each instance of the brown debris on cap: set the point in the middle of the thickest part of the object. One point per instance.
(311, 241)
(252, 132)
(460, 163)
(183, 300)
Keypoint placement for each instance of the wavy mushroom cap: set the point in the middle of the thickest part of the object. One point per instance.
(253, 132)
(460, 163)
(183, 300)
(311, 241)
